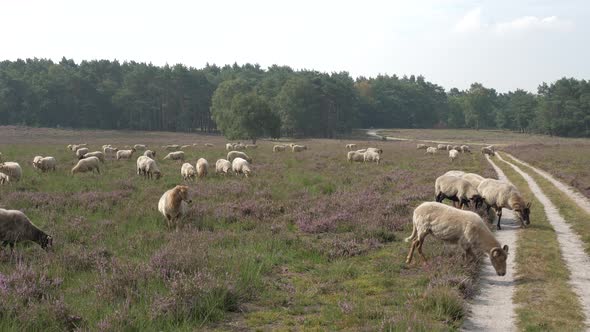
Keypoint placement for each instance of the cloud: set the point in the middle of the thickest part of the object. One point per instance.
(530, 23)
(470, 22)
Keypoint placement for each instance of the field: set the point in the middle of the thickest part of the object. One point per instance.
(308, 242)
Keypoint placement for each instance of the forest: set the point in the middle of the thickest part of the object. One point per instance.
(249, 102)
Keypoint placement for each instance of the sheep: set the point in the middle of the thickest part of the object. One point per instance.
(171, 147)
(455, 173)
(432, 150)
(465, 228)
(106, 146)
(488, 151)
(47, 163)
(457, 190)
(351, 146)
(441, 147)
(239, 146)
(222, 166)
(379, 151)
(474, 179)
(176, 155)
(97, 154)
(421, 147)
(238, 154)
(465, 149)
(453, 154)
(355, 156)
(12, 169)
(241, 166)
(109, 151)
(125, 154)
(278, 148)
(36, 161)
(184, 147)
(4, 178)
(298, 148)
(172, 204)
(251, 146)
(148, 167)
(75, 147)
(140, 147)
(229, 146)
(449, 147)
(456, 147)
(209, 145)
(187, 171)
(16, 227)
(150, 153)
(69, 147)
(372, 156)
(202, 167)
(498, 194)
(81, 152)
(86, 165)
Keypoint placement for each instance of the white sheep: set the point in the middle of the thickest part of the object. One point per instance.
(298, 148)
(110, 151)
(351, 146)
(12, 169)
(239, 146)
(147, 167)
(187, 171)
(241, 166)
(456, 147)
(222, 166)
(15, 227)
(125, 154)
(465, 149)
(229, 146)
(36, 161)
(372, 156)
(432, 150)
(441, 147)
(453, 154)
(150, 153)
(457, 190)
(176, 155)
(172, 204)
(87, 165)
(46, 164)
(4, 178)
(251, 146)
(378, 150)
(278, 148)
(487, 150)
(238, 154)
(455, 226)
(171, 147)
(81, 152)
(184, 147)
(449, 147)
(97, 154)
(355, 156)
(498, 195)
(140, 147)
(202, 167)
(209, 145)
(421, 146)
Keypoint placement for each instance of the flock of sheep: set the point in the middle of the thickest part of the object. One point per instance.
(454, 150)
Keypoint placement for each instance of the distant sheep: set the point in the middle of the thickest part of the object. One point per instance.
(148, 168)
(187, 171)
(298, 148)
(421, 147)
(97, 154)
(172, 204)
(465, 149)
(184, 147)
(229, 146)
(81, 152)
(441, 147)
(125, 154)
(355, 156)
(222, 166)
(109, 151)
(239, 146)
(278, 148)
(150, 153)
(241, 166)
(372, 156)
(351, 146)
(176, 155)
(140, 147)
(12, 169)
(456, 147)
(87, 165)
(488, 151)
(171, 147)
(451, 225)
(251, 146)
(432, 150)
(457, 190)
(202, 167)
(15, 227)
(238, 154)
(209, 145)
(46, 164)
(498, 195)
(378, 150)
(453, 154)
(449, 147)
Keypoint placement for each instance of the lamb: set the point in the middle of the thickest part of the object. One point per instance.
(432, 150)
(251, 146)
(465, 228)
(176, 155)
(47, 163)
(298, 148)
(498, 194)
(241, 166)
(171, 147)
(238, 154)
(465, 149)
(125, 154)
(457, 190)
(16, 227)
(222, 166)
(187, 171)
(453, 154)
(487, 150)
(372, 156)
(172, 204)
(202, 167)
(140, 147)
(86, 165)
(351, 146)
(278, 148)
(355, 156)
(422, 147)
(148, 167)
(81, 152)
(12, 169)
(4, 178)
(229, 146)
(97, 154)
(150, 153)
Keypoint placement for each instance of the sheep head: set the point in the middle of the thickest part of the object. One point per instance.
(498, 257)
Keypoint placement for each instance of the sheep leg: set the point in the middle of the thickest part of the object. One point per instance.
(499, 217)
(411, 253)
(420, 243)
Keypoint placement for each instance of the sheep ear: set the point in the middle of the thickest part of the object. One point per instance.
(505, 247)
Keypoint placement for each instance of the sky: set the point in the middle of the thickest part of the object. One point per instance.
(502, 44)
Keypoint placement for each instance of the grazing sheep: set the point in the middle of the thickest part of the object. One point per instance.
(449, 147)
(298, 148)
(456, 147)
(75, 147)
(109, 151)
(355, 156)
(140, 147)
(148, 167)
(498, 195)
(46, 164)
(453, 154)
(229, 146)
(81, 152)
(12, 169)
(97, 154)
(184, 147)
(16, 227)
(351, 146)
(488, 151)
(239, 146)
(241, 166)
(474, 179)
(421, 147)
(150, 153)
(125, 154)
(86, 165)
(465, 228)
(455, 173)
(222, 166)
(441, 147)
(4, 178)
(279, 148)
(172, 204)
(202, 167)
(251, 146)
(176, 155)
(372, 156)
(238, 154)
(379, 151)
(69, 147)
(457, 190)
(171, 147)
(188, 172)
(432, 150)
(209, 145)
(465, 149)
(36, 161)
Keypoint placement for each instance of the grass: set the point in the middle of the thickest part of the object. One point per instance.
(543, 297)
(308, 242)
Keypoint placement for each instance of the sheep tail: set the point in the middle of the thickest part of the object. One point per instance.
(414, 234)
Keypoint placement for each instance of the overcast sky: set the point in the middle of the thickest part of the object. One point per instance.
(504, 44)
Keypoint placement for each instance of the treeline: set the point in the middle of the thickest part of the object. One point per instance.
(250, 102)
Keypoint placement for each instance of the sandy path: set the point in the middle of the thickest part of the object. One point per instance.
(582, 201)
(572, 248)
(492, 309)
